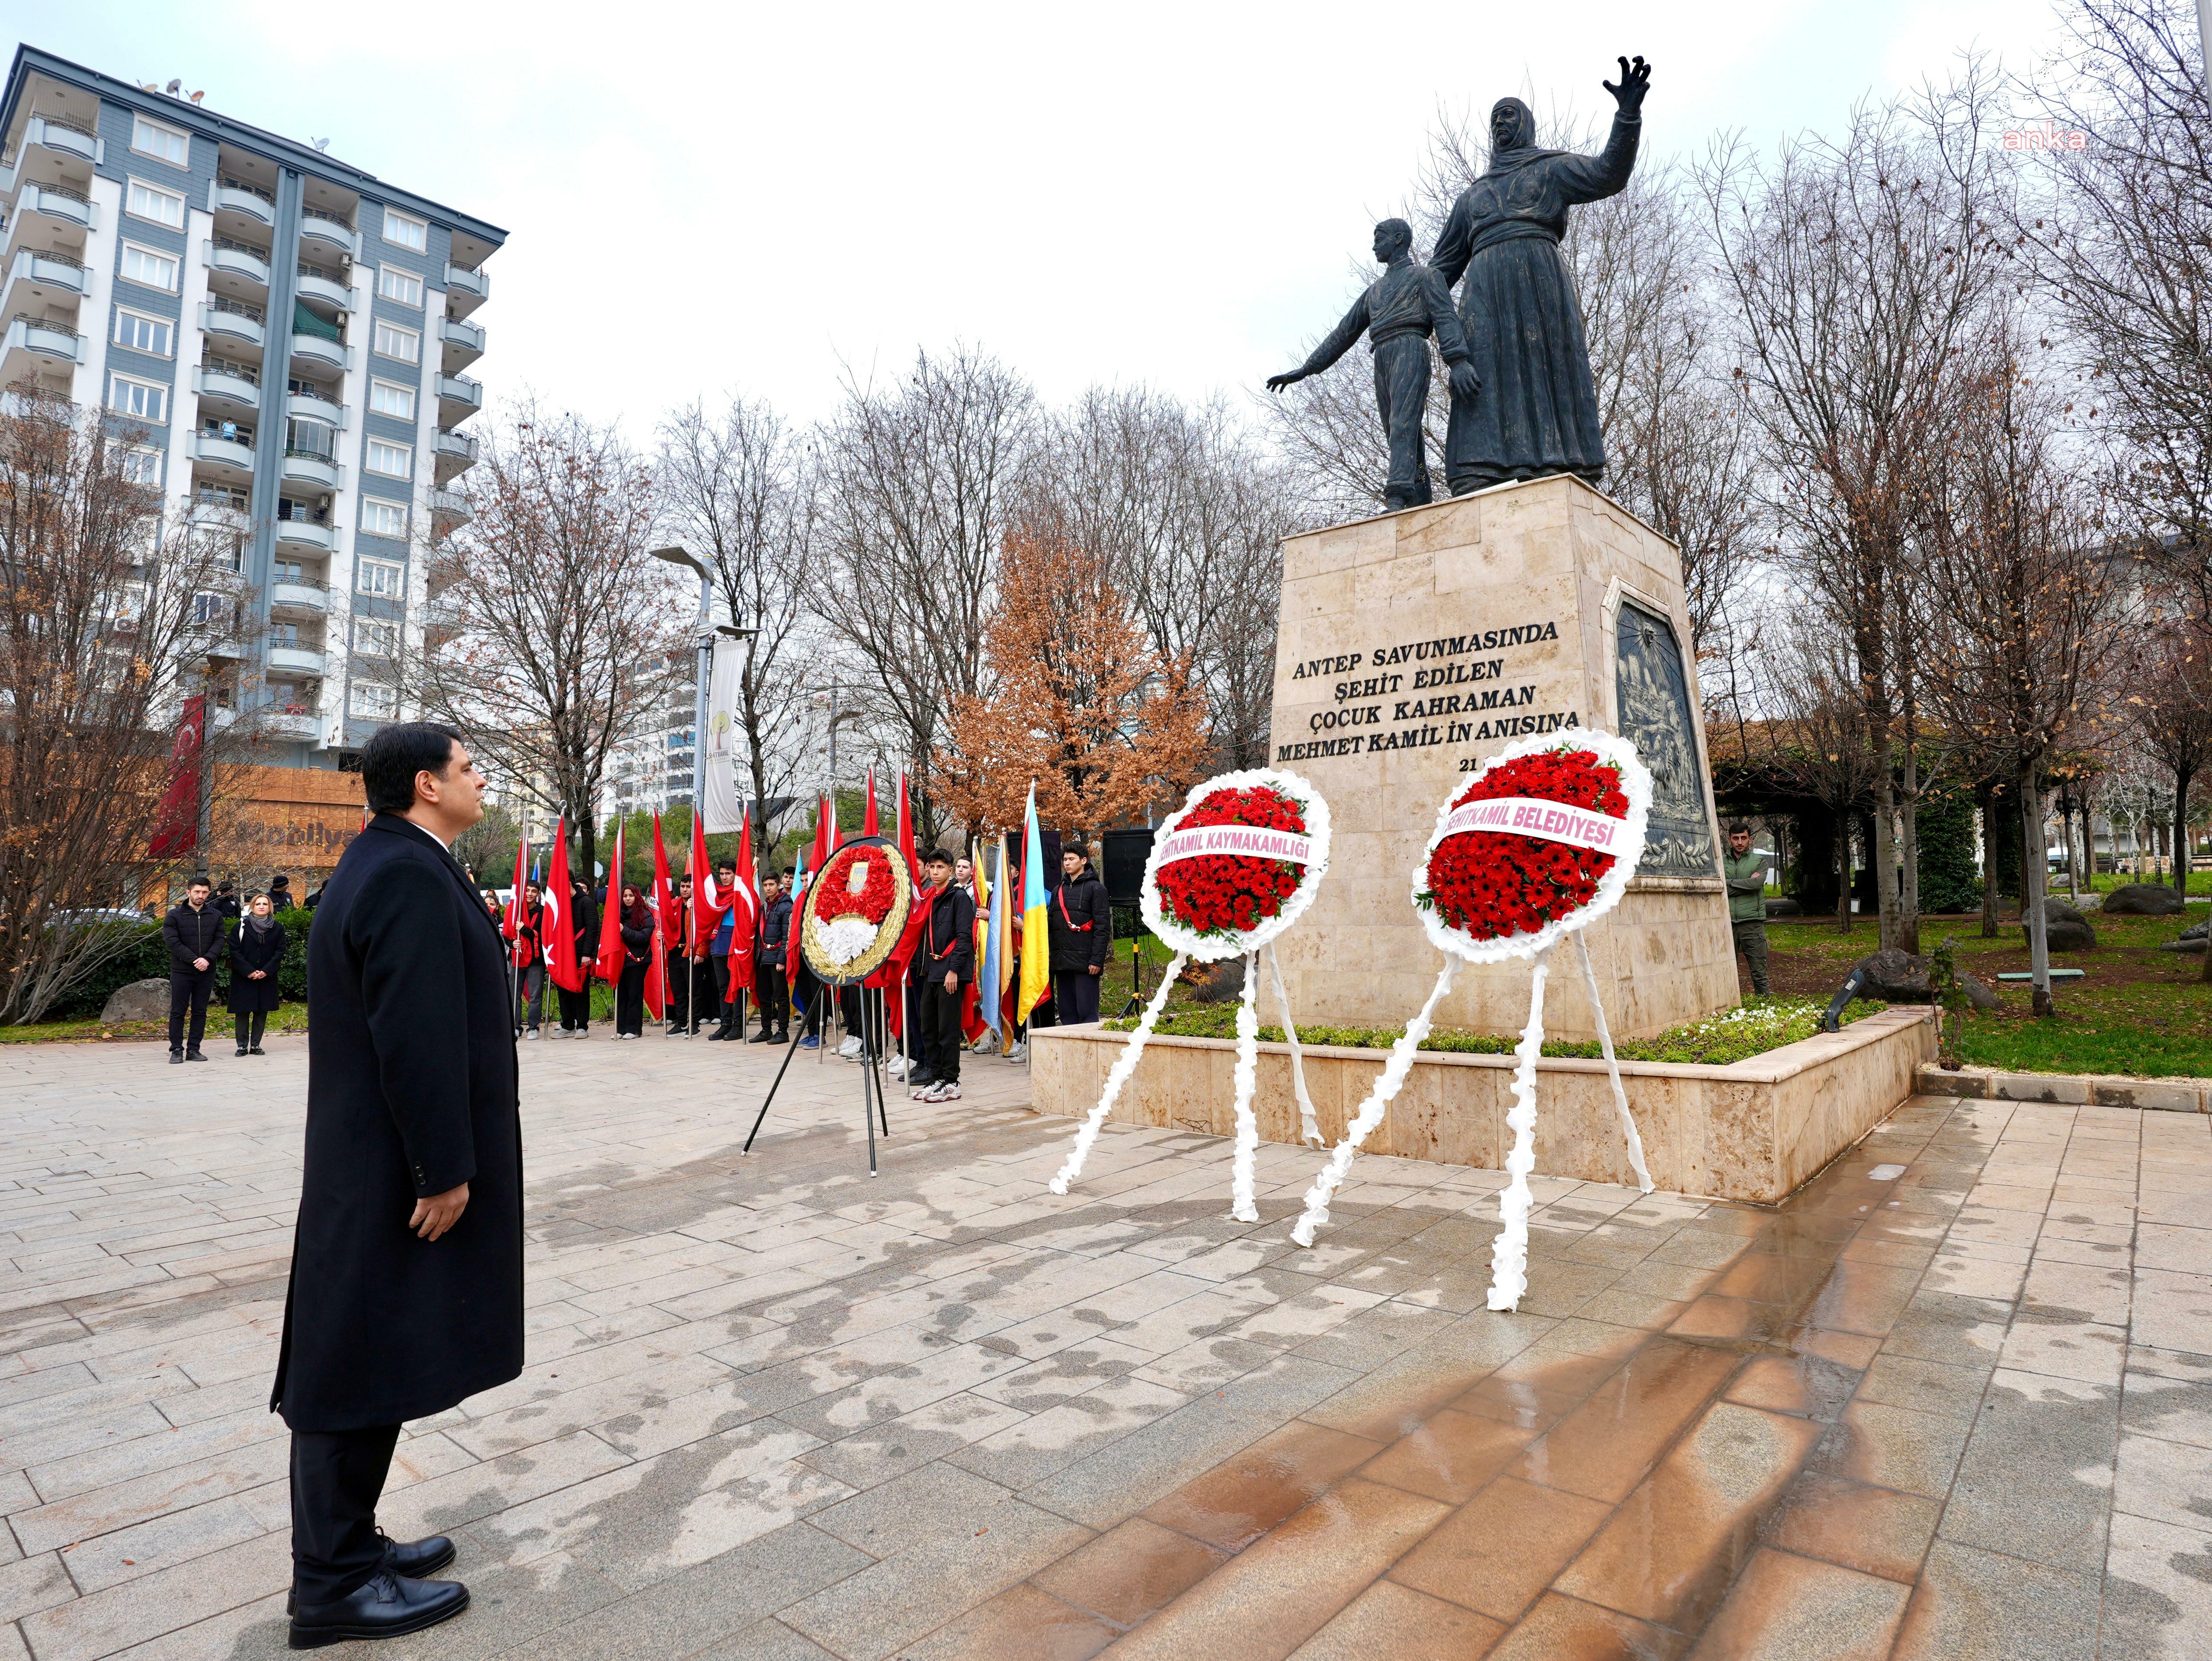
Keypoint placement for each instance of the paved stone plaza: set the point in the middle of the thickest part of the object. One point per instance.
(1953, 1401)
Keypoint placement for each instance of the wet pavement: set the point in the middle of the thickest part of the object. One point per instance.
(1954, 1399)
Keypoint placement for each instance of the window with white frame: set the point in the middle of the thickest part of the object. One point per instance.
(143, 400)
(144, 201)
(377, 636)
(163, 143)
(392, 460)
(389, 398)
(393, 341)
(143, 333)
(384, 519)
(408, 233)
(385, 578)
(150, 266)
(405, 287)
(375, 700)
(141, 464)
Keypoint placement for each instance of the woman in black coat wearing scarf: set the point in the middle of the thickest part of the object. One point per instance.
(637, 958)
(257, 950)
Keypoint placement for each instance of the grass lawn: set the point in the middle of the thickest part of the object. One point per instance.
(2138, 1011)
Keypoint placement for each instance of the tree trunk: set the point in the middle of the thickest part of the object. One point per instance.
(2034, 862)
(2181, 833)
(1843, 875)
(1983, 807)
(1884, 857)
(1908, 845)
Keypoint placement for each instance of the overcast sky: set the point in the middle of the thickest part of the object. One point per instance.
(704, 198)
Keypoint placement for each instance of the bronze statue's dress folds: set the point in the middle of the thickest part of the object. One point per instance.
(1537, 411)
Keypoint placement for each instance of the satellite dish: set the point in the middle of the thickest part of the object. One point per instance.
(173, 88)
(323, 145)
(199, 94)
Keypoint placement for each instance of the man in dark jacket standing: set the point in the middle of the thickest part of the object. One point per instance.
(193, 932)
(406, 1289)
(944, 963)
(1082, 923)
(774, 990)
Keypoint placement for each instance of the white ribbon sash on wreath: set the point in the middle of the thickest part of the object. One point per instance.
(1248, 841)
(1547, 821)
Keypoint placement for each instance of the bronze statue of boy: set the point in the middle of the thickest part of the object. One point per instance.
(1400, 310)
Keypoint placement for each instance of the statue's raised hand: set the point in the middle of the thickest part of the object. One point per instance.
(1635, 80)
(1277, 382)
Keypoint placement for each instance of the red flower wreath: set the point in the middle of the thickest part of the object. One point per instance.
(1233, 893)
(872, 903)
(1492, 883)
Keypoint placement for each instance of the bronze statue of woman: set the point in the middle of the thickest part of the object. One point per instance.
(1537, 411)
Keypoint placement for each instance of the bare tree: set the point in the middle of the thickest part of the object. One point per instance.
(1858, 268)
(741, 489)
(2122, 229)
(554, 630)
(1815, 736)
(919, 479)
(105, 623)
(2169, 699)
(1189, 518)
(2030, 612)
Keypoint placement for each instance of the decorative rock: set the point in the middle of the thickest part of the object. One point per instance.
(1785, 907)
(1894, 975)
(2067, 929)
(141, 1000)
(2197, 931)
(2142, 899)
(1220, 982)
(1977, 994)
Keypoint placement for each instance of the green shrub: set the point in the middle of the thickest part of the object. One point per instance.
(147, 957)
(1760, 1025)
(1949, 881)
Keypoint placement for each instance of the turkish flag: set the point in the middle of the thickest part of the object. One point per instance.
(706, 905)
(663, 902)
(176, 820)
(868, 824)
(512, 927)
(745, 896)
(560, 929)
(612, 955)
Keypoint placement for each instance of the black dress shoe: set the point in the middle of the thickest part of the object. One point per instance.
(176, 1058)
(194, 1055)
(386, 1606)
(414, 1559)
(256, 1050)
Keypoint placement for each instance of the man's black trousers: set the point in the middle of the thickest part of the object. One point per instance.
(775, 994)
(337, 1476)
(189, 988)
(940, 1030)
(1075, 997)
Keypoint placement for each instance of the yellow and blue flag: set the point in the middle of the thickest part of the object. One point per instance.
(1037, 937)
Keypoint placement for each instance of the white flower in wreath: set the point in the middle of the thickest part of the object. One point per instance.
(1635, 784)
(1216, 948)
(847, 939)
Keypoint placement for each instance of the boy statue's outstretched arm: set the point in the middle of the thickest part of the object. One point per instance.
(1339, 341)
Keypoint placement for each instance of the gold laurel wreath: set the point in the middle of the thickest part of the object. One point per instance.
(815, 949)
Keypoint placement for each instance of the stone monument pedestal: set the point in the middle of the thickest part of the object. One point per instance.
(1416, 644)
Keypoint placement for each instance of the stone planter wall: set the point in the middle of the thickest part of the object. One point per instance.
(1755, 1130)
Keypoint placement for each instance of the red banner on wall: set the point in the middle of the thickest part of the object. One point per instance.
(176, 821)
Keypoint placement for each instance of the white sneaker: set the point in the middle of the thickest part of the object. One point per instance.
(531, 1034)
(849, 1049)
(1020, 1052)
(945, 1093)
(895, 1066)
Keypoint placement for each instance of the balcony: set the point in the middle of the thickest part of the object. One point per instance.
(233, 196)
(465, 289)
(321, 353)
(450, 507)
(459, 398)
(320, 230)
(300, 594)
(296, 661)
(38, 275)
(307, 533)
(324, 291)
(231, 384)
(223, 456)
(60, 203)
(451, 456)
(234, 317)
(65, 138)
(311, 467)
(464, 343)
(311, 406)
(289, 723)
(231, 258)
(44, 338)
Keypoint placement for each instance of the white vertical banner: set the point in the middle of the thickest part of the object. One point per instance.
(722, 805)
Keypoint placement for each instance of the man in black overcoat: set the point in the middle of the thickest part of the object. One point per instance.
(406, 1291)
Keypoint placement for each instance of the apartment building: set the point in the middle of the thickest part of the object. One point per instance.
(290, 334)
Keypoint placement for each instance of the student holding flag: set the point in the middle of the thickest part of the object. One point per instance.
(635, 928)
(568, 932)
(947, 963)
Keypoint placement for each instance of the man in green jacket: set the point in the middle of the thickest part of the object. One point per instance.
(1746, 872)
